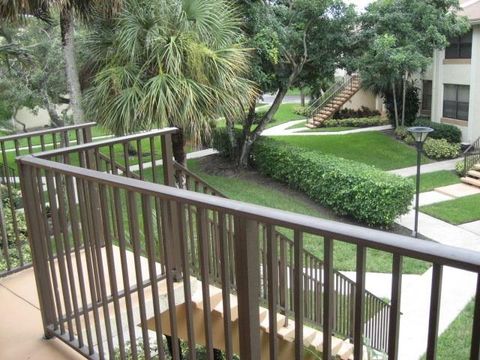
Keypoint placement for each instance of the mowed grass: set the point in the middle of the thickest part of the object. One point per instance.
(285, 113)
(431, 181)
(264, 194)
(372, 148)
(459, 211)
(455, 342)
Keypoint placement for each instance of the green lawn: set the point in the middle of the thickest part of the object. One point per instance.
(373, 148)
(284, 114)
(333, 129)
(431, 181)
(252, 191)
(455, 342)
(458, 211)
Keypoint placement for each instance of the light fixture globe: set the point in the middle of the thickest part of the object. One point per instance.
(420, 133)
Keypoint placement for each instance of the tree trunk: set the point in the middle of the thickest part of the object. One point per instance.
(395, 105)
(56, 120)
(250, 137)
(231, 137)
(404, 96)
(302, 97)
(178, 148)
(74, 90)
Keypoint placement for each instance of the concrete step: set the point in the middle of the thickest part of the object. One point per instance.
(476, 167)
(474, 173)
(215, 298)
(471, 181)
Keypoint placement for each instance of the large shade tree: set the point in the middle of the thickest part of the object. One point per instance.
(297, 43)
(400, 37)
(169, 62)
(15, 11)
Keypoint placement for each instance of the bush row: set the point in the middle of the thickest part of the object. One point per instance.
(442, 131)
(363, 112)
(349, 188)
(356, 122)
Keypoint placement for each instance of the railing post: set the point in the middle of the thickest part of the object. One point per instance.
(169, 180)
(39, 255)
(248, 285)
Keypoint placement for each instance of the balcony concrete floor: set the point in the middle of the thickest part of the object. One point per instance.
(21, 324)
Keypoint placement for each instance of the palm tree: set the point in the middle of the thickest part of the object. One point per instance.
(169, 62)
(16, 10)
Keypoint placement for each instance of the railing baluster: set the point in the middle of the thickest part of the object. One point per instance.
(136, 245)
(152, 269)
(86, 228)
(298, 294)
(181, 212)
(359, 303)
(272, 263)
(248, 284)
(76, 236)
(435, 298)
(328, 290)
(118, 205)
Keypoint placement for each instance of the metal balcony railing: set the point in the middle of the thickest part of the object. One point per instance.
(123, 257)
(14, 254)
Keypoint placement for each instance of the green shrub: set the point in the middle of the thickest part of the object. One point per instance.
(302, 111)
(349, 188)
(363, 112)
(221, 142)
(356, 122)
(401, 133)
(442, 131)
(439, 149)
(460, 168)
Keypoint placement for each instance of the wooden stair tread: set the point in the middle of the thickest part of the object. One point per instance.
(215, 297)
(474, 173)
(471, 181)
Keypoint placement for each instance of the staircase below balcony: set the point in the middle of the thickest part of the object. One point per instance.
(472, 164)
(333, 100)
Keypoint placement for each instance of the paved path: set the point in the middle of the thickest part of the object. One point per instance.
(427, 168)
(283, 130)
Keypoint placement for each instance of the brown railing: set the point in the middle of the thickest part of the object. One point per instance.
(376, 325)
(471, 156)
(15, 252)
(120, 262)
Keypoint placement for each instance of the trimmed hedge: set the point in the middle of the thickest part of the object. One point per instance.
(349, 188)
(442, 131)
(356, 122)
(363, 112)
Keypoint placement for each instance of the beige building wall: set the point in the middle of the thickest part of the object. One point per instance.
(364, 98)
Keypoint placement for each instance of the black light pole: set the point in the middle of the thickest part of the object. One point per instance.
(420, 134)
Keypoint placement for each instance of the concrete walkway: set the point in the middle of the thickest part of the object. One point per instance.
(427, 168)
(283, 130)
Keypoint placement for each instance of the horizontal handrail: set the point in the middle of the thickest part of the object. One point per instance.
(401, 245)
(107, 142)
(474, 146)
(47, 131)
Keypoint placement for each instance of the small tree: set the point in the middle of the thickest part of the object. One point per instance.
(31, 69)
(401, 36)
(297, 43)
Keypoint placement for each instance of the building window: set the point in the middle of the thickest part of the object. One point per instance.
(456, 101)
(460, 47)
(427, 96)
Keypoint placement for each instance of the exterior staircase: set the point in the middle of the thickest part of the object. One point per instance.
(333, 100)
(472, 177)
(472, 164)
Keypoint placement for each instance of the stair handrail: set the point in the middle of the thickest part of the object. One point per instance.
(331, 93)
(378, 344)
(471, 156)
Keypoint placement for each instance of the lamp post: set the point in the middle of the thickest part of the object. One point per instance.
(420, 134)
